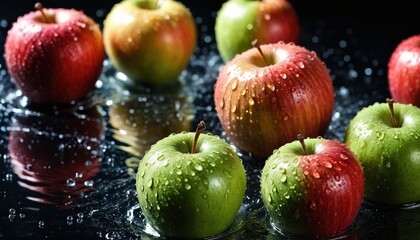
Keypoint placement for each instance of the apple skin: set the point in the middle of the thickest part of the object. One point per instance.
(55, 62)
(141, 123)
(44, 161)
(390, 156)
(404, 71)
(190, 195)
(263, 107)
(150, 45)
(239, 22)
(316, 195)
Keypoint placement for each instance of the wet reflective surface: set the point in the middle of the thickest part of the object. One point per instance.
(67, 172)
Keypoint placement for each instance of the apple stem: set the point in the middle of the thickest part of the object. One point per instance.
(200, 128)
(390, 102)
(257, 45)
(302, 142)
(39, 7)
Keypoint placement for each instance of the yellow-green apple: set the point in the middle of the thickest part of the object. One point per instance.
(239, 22)
(191, 185)
(404, 71)
(55, 155)
(312, 187)
(54, 55)
(266, 95)
(385, 138)
(141, 118)
(150, 41)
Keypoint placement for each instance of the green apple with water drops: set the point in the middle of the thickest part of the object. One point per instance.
(150, 41)
(386, 139)
(239, 22)
(191, 185)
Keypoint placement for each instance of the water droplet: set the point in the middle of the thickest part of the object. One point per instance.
(313, 205)
(88, 183)
(285, 118)
(161, 157)
(222, 103)
(112, 236)
(326, 164)
(187, 186)
(362, 144)
(150, 183)
(328, 191)
(178, 172)
(249, 26)
(70, 182)
(388, 164)
(234, 84)
(233, 109)
(316, 174)
(251, 101)
(343, 156)
(198, 167)
(41, 224)
(380, 135)
(204, 196)
(271, 87)
(267, 17)
(283, 75)
(283, 178)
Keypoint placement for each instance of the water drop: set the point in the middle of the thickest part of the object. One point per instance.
(150, 183)
(234, 84)
(41, 224)
(283, 178)
(343, 156)
(71, 182)
(233, 109)
(187, 186)
(271, 87)
(388, 164)
(267, 17)
(328, 191)
(198, 167)
(222, 103)
(161, 157)
(251, 101)
(327, 164)
(316, 174)
(178, 172)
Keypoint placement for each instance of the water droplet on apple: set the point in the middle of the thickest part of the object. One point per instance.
(178, 172)
(271, 87)
(283, 75)
(71, 182)
(222, 103)
(234, 84)
(316, 174)
(187, 186)
(233, 109)
(283, 178)
(388, 164)
(326, 164)
(267, 17)
(337, 178)
(160, 158)
(251, 101)
(306, 172)
(150, 183)
(380, 135)
(285, 118)
(250, 27)
(313, 205)
(328, 191)
(301, 65)
(362, 144)
(343, 156)
(198, 167)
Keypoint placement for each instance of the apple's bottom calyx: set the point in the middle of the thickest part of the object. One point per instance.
(191, 185)
(312, 187)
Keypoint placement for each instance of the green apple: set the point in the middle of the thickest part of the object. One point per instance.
(312, 187)
(385, 138)
(191, 185)
(239, 22)
(150, 41)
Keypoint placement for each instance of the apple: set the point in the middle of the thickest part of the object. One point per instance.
(239, 22)
(266, 95)
(385, 138)
(191, 185)
(150, 41)
(54, 55)
(141, 117)
(312, 187)
(55, 155)
(404, 71)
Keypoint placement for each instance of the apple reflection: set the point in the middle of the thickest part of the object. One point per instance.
(142, 116)
(56, 154)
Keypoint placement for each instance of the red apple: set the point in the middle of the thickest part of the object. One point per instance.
(238, 23)
(54, 55)
(313, 188)
(404, 71)
(264, 99)
(56, 156)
